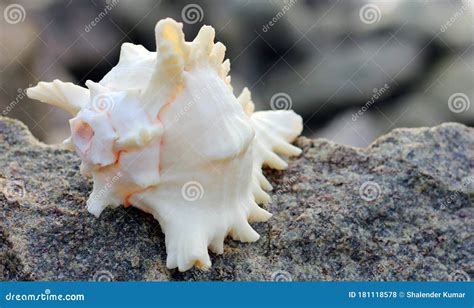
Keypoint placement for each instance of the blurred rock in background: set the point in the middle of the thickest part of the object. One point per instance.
(353, 69)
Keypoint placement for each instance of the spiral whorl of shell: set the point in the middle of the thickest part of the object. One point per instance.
(163, 132)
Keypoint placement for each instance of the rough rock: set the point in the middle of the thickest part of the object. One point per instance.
(401, 209)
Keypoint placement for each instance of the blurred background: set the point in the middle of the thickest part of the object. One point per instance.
(353, 69)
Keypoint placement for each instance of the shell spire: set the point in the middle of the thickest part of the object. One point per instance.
(163, 131)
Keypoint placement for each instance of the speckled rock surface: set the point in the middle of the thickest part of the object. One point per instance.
(400, 210)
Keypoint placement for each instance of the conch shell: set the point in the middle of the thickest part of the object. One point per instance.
(163, 131)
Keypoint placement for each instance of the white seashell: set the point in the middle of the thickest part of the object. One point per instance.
(163, 131)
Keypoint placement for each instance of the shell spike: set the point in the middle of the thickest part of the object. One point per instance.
(217, 55)
(171, 47)
(191, 252)
(245, 100)
(202, 44)
(169, 67)
(95, 88)
(261, 197)
(217, 245)
(258, 214)
(64, 95)
(97, 201)
(129, 52)
(244, 232)
(224, 69)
